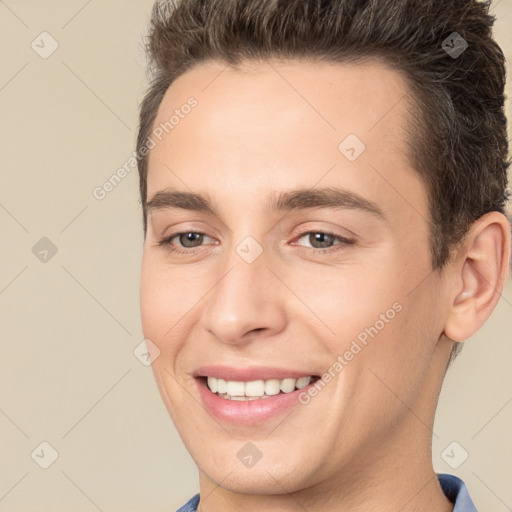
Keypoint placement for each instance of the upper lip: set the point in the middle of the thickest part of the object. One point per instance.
(249, 373)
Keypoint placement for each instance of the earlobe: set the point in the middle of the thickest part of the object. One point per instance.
(481, 270)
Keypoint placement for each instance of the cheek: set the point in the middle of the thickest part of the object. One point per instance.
(366, 316)
(346, 301)
(170, 301)
(398, 358)
(151, 301)
(162, 302)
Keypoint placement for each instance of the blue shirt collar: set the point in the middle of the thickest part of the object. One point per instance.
(457, 492)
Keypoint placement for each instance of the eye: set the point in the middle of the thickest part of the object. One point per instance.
(322, 241)
(189, 240)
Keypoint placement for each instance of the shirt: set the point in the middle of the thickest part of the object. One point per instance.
(453, 487)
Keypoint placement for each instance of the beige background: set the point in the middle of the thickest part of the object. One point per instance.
(68, 375)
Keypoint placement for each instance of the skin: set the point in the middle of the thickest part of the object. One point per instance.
(364, 442)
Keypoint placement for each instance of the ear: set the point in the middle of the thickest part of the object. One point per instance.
(480, 271)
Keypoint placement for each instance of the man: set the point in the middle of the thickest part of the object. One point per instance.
(323, 186)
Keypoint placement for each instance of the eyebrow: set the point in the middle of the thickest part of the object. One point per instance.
(330, 197)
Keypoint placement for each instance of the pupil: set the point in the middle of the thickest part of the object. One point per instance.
(191, 236)
(319, 236)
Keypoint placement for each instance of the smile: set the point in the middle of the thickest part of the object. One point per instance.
(256, 389)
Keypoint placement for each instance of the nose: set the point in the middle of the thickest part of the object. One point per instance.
(245, 303)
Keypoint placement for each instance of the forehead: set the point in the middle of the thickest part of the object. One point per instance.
(332, 96)
(270, 121)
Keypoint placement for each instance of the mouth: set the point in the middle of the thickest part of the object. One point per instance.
(260, 389)
(251, 395)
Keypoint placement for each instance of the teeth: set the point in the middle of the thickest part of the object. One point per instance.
(302, 382)
(221, 385)
(212, 384)
(253, 390)
(235, 388)
(272, 387)
(287, 385)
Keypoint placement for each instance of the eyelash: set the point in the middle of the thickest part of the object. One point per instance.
(166, 242)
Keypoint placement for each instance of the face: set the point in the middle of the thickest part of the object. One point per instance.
(302, 252)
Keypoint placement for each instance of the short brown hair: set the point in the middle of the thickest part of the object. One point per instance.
(458, 142)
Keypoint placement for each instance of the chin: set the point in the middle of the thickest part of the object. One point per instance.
(260, 483)
(263, 478)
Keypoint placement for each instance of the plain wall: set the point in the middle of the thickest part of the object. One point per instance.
(68, 375)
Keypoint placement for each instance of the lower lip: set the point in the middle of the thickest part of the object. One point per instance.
(247, 412)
